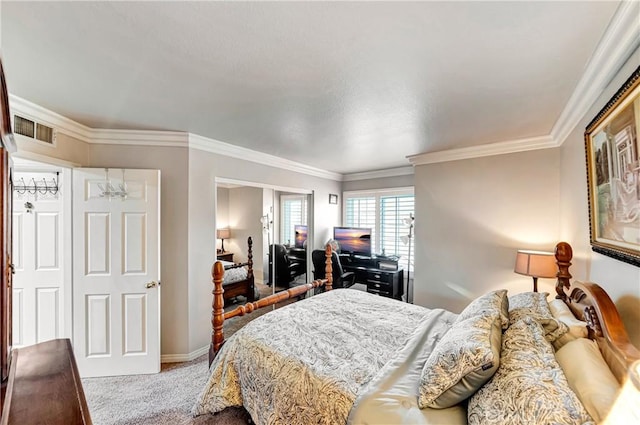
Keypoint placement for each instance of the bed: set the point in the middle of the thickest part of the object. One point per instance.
(346, 356)
(238, 278)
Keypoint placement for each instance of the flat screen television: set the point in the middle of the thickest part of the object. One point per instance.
(353, 240)
(300, 231)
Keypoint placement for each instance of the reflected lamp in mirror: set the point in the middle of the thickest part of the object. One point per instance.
(536, 264)
(223, 234)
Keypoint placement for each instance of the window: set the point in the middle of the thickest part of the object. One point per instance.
(384, 212)
(293, 211)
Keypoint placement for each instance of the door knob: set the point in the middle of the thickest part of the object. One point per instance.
(152, 284)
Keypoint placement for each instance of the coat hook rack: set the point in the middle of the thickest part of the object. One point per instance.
(37, 186)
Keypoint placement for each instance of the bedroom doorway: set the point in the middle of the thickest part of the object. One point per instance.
(42, 289)
(116, 273)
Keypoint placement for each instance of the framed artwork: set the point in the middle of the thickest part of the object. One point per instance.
(333, 198)
(613, 174)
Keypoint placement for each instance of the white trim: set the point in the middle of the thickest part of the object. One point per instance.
(377, 174)
(263, 185)
(140, 138)
(42, 115)
(619, 41)
(500, 148)
(215, 146)
(178, 358)
(406, 190)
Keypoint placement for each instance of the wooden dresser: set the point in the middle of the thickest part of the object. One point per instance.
(44, 387)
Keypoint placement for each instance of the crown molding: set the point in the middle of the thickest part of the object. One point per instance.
(500, 148)
(140, 138)
(222, 148)
(42, 115)
(378, 174)
(156, 138)
(618, 43)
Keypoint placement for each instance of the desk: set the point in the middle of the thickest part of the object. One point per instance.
(225, 256)
(388, 283)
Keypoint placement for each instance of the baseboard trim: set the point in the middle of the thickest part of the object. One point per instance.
(178, 358)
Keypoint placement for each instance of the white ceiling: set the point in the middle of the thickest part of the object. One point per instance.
(345, 87)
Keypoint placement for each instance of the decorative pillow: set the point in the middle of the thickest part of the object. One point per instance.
(563, 340)
(589, 376)
(492, 301)
(536, 301)
(464, 359)
(561, 312)
(529, 387)
(535, 305)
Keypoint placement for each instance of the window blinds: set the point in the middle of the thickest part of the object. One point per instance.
(384, 213)
(293, 211)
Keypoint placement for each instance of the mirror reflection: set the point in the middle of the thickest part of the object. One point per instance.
(278, 224)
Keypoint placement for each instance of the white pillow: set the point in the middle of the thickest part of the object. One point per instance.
(561, 312)
(589, 376)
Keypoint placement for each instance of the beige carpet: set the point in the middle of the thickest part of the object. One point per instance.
(166, 397)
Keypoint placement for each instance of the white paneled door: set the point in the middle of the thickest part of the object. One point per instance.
(38, 290)
(116, 285)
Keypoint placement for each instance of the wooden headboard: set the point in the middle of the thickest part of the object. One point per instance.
(590, 303)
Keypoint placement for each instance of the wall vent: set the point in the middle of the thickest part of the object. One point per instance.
(24, 126)
(33, 130)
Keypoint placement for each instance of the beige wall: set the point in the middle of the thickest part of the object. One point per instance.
(471, 218)
(66, 148)
(619, 279)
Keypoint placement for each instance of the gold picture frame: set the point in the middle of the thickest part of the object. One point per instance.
(612, 143)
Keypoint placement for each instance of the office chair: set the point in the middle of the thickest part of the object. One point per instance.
(341, 279)
(286, 270)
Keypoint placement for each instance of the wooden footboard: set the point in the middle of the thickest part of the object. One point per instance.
(218, 315)
(242, 287)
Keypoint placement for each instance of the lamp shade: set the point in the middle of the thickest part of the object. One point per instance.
(223, 233)
(536, 264)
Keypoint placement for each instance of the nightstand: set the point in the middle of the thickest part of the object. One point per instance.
(225, 256)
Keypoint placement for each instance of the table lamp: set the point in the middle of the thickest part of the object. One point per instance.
(536, 264)
(223, 234)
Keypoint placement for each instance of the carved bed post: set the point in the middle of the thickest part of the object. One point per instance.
(328, 269)
(250, 257)
(217, 316)
(564, 254)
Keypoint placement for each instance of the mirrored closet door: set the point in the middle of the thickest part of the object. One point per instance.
(279, 222)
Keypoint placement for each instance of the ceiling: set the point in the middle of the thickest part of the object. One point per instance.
(345, 87)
